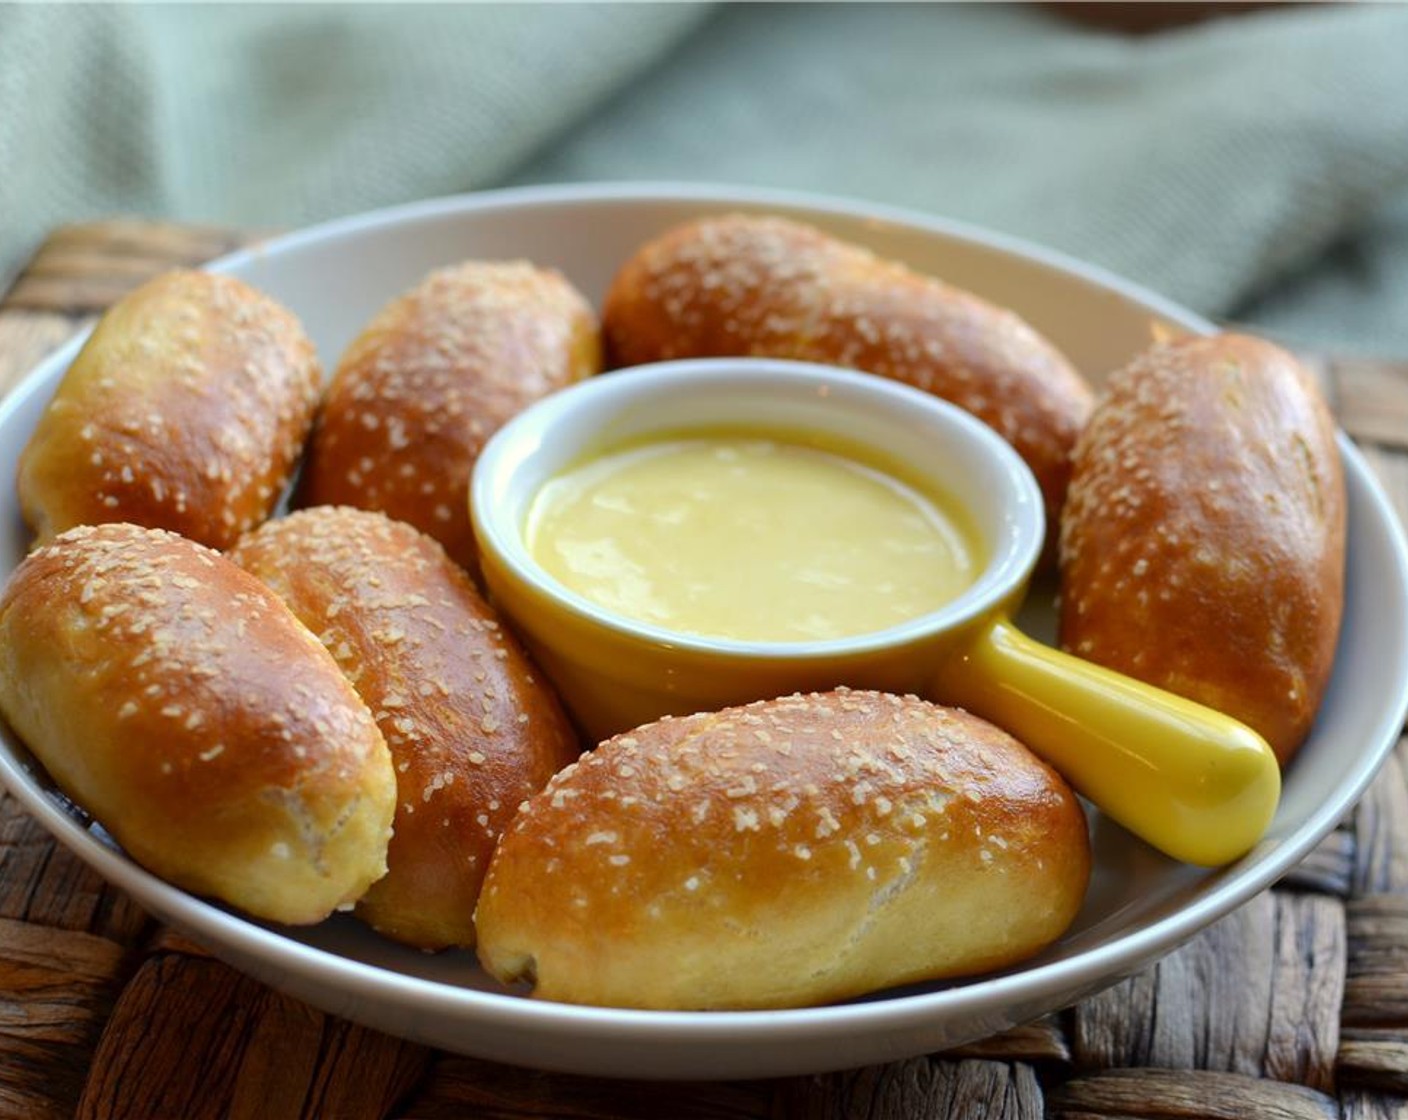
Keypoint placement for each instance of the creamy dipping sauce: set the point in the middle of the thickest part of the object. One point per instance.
(756, 539)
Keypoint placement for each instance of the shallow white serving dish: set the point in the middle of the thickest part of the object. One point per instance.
(1140, 904)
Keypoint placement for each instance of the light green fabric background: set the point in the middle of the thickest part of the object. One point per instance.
(1252, 167)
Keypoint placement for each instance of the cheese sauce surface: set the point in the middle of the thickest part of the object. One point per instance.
(749, 538)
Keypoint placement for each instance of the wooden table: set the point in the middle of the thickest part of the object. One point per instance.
(1294, 1006)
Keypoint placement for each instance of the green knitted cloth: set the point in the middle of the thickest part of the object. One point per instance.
(1252, 167)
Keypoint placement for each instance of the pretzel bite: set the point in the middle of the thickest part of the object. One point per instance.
(431, 378)
(776, 288)
(473, 729)
(785, 853)
(1202, 546)
(175, 698)
(186, 409)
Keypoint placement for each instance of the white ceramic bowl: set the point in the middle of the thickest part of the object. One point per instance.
(1140, 905)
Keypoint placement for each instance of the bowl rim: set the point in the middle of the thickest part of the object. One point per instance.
(899, 1012)
(722, 195)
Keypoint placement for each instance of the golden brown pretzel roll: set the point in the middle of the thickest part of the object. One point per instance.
(186, 410)
(785, 853)
(175, 698)
(1202, 545)
(777, 288)
(431, 378)
(473, 729)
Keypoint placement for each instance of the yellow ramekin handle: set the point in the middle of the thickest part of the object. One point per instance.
(1196, 784)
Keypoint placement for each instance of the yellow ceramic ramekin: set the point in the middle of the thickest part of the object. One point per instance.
(1196, 784)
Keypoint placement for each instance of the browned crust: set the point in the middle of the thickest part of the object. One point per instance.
(473, 729)
(772, 287)
(788, 852)
(1203, 541)
(186, 410)
(431, 378)
(176, 698)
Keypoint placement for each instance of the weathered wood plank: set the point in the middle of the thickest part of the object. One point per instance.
(1041, 1041)
(1373, 1106)
(1258, 993)
(1371, 400)
(190, 1037)
(1206, 1006)
(41, 882)
(1328, 868)
(459, 1087)
(1161, 1094)
(81, 269)
(56, 990)
(1376, 983)
(26, 339)
(1307, 990)
(916, 1088)
(1374, 1057)
(1381, 828)
(361, 1072)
